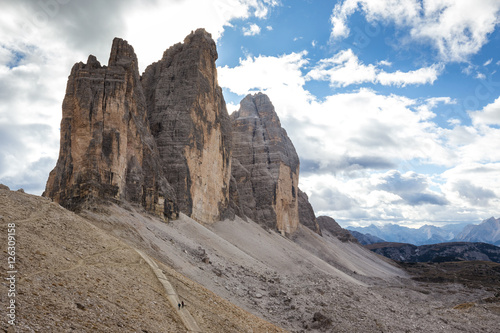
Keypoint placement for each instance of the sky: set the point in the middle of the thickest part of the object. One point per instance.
(393, 106)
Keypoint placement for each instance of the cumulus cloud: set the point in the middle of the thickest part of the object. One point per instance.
(345, 69)
(489, 115)
(377, 197)
(413, 188)
(475, 195)
(352, 145)
(252, 30)
(385, 63)
(472, 188)
(457, 29)
(349, 131)
(264, 73)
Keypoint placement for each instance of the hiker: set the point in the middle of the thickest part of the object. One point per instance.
(182, 303)
(179, 304)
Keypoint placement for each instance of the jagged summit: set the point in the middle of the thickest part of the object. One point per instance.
(189, 120)
(122, 54)
(267, 167)
(106, 149)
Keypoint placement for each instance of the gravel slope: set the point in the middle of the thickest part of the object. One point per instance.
(75, 277)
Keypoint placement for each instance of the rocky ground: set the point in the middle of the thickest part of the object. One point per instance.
(82, 274)
(74, 277)
(310, 284)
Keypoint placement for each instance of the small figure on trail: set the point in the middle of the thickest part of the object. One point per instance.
(179, 304)
(182, 303)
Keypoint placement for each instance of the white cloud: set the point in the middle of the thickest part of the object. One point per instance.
(350, 144)
(480, 76)
(456, 28)
(345, 69)
(251, 30)
(168, 22)
(487, 62)
(269, 28)
(384, 63)
(489, 115)
(473, 187)
(263, 73)
(426, 75)
(371, 130)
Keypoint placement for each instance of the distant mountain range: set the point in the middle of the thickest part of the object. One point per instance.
(487, 231)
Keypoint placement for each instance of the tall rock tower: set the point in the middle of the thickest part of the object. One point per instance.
(106, 149)
(189, 121)
(265, 165)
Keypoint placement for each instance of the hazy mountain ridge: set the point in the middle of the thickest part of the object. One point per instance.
(487, 231)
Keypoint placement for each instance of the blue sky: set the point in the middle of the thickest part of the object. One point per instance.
(393, 106)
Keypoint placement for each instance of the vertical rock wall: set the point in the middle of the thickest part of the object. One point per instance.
(265, 165)
(106, 149)
(189, 120)
(306, 213)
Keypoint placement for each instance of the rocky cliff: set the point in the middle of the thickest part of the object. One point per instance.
(327, 224)
(191, 126)
(265, 165)
(106, 149)
(306, 213)
(366, 239)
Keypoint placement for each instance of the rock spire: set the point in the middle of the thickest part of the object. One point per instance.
(106, 148)
(265, 165)
(189, 121)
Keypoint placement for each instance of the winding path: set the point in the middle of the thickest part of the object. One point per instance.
(185, 315)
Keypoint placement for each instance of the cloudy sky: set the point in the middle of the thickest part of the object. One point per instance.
(393, 105)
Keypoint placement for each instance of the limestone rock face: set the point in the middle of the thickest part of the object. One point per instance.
(328, 224)
(306, 213)
(106, 148)
(189, 121)
(265, 165)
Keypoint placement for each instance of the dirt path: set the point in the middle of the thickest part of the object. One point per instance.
(184, 314)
